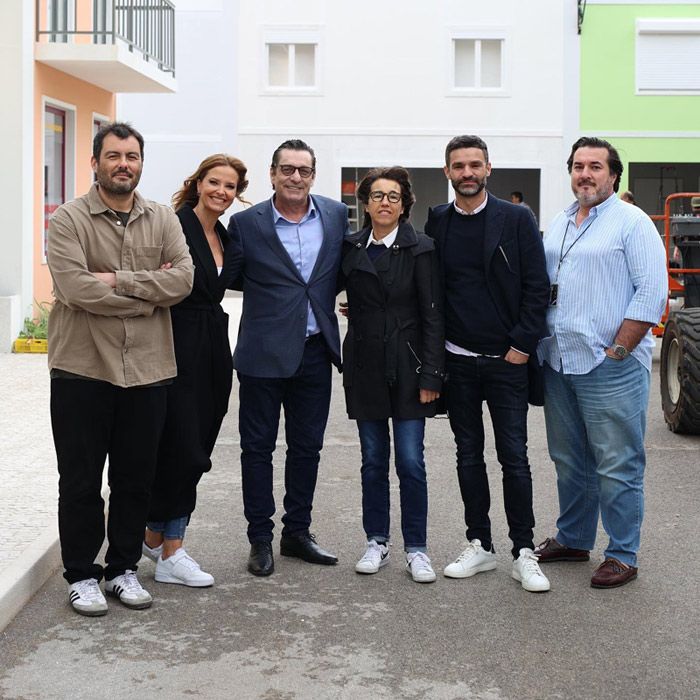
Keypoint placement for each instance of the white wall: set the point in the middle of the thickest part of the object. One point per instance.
(16, 175)
(385, 93)
(182, 129)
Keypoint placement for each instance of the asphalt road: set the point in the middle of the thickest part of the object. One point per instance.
(326, 632)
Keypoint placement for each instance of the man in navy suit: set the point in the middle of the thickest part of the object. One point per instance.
(496, 294)
(290, 247)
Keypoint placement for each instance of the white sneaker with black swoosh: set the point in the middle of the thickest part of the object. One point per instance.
(376, 555)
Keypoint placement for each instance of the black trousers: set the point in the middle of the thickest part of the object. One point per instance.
(504, 387)
(92, 421)
(305, 398)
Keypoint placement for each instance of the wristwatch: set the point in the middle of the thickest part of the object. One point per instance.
(620, 351)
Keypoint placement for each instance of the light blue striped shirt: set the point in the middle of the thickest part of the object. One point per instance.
(302, 240)
(613, 268)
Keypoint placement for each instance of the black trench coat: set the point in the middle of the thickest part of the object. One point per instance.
(395, 344)
(198, 397)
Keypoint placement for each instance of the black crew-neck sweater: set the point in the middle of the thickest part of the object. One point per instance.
(471, 320)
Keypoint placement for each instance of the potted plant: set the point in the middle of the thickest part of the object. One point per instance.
(33, 337)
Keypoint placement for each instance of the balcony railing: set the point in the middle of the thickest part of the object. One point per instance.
(145, 26)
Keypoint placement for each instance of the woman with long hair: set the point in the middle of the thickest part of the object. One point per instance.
(198, 397)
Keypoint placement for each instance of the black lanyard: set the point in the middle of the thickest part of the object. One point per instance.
(563, 254)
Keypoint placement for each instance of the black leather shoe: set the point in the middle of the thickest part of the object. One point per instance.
(304, 547)
(260, 560)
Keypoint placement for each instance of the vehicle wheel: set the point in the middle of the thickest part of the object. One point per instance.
(680, 372)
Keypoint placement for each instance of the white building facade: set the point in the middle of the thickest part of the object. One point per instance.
(369, 84)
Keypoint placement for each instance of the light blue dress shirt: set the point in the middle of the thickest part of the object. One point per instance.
(611, 267)
(302, 240)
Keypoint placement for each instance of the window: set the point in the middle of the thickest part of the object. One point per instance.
(291, 61)
(58, 160)
(291, 65)
(668, 57)
(54, 163)
(477, 62)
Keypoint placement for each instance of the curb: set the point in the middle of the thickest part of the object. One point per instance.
(28, 573)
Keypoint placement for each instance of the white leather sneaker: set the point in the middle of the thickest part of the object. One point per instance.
(472, 560)
(86, 598)
(418, 564)
(181, 568)
(526, 569)
(376, 555)
(129, 591)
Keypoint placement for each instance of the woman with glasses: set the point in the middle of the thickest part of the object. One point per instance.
(393, 358)
(198, 397)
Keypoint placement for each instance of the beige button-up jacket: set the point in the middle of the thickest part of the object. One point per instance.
(123, 335)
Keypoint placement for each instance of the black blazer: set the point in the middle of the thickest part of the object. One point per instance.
(200, 325)
(395, 343)
(516, 274)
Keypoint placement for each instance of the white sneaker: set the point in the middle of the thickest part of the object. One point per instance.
(86, 598)
(473, 560)
(151, 553)
(129, 591)
(376, 555)
(527, 570)
(418, 564)
(181, 568)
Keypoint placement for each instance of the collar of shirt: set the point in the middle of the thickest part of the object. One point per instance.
(97, 205)
(310, 213)
(387, 241)
(573, 208)
(481, 207)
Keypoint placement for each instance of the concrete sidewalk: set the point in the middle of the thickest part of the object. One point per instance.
(29, 550)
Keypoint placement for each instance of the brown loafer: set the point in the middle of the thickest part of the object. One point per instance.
(551, 550)
(613, 573)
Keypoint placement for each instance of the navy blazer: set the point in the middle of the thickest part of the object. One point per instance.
(272, 332)
(516, 273)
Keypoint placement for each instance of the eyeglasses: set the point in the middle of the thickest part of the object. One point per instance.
(393, 197)
(304, 170)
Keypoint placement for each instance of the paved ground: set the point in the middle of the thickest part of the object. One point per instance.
(317, 632)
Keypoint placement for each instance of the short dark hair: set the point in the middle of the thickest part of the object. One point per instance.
(614, 161)
(518, 195)
(293, 145)
(395, 173)
(466, 141)
(122, 130)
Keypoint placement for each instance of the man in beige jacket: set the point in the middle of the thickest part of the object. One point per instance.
(117, 262)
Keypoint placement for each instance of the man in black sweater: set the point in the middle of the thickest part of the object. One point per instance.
(496, 295)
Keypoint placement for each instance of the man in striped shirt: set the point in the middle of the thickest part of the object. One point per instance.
(607, 271)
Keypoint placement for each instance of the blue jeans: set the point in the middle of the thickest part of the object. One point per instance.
(305, 398)
(173, 529)
(504, 387)
(595, 434)
(410, 468)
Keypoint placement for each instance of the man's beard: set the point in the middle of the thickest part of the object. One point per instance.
(117, 187)
(475, 183)
(593, 198)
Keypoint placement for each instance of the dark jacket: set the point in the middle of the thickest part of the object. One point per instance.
(395, 344)
(275, 296)
(516, 274)
(198, 397)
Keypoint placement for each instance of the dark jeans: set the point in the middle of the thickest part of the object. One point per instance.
(410, 468)
(305, 398)
(92, 421)
(504, 387)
